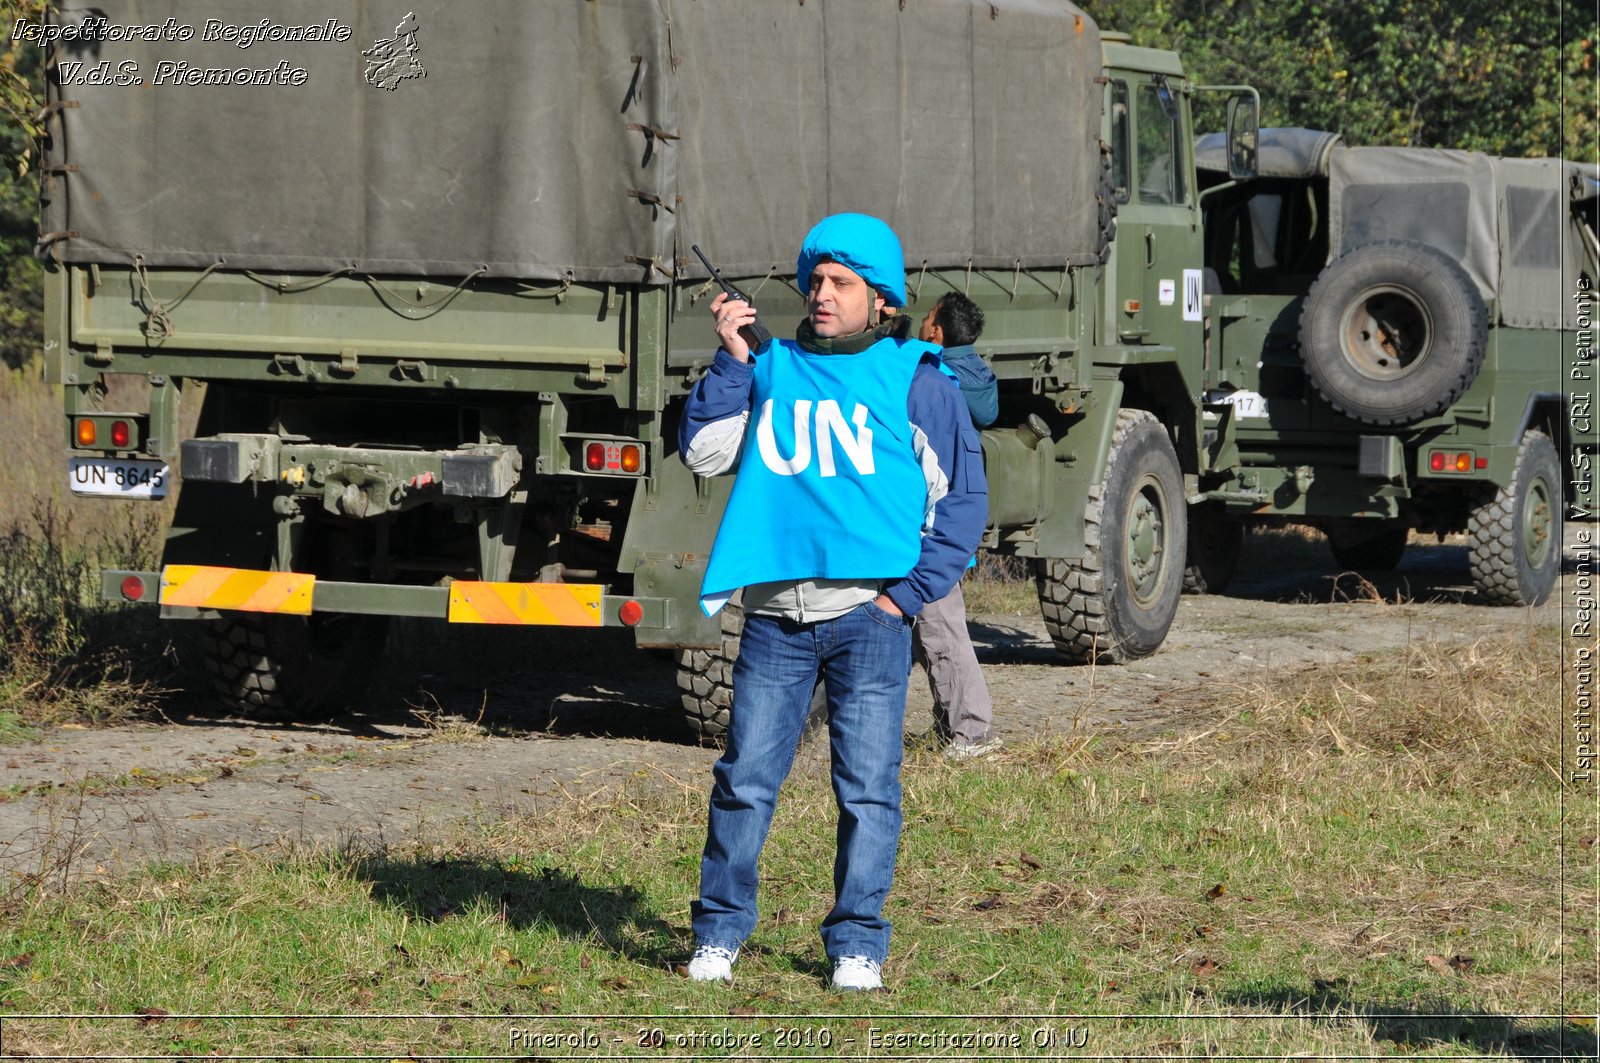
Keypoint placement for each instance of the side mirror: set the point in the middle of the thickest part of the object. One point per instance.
(1244, 134)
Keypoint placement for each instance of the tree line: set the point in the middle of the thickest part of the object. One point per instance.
(1484, 75)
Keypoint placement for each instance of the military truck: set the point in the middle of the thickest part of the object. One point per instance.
(424, 277)
(1397, 340)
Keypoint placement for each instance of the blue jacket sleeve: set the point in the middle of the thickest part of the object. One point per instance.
(958, 494)
(715, 415)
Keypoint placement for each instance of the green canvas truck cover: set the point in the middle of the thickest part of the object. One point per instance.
(1506, 221)
(585, 139)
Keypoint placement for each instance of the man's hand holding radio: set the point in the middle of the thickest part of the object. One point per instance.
(731, 315)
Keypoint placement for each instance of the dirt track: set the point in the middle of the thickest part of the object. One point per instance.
(598, 712)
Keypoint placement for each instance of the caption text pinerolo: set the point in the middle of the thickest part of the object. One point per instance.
(784, 1039)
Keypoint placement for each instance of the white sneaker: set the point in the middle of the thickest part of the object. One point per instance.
(712, 963)
(856, 973)
(982, 748)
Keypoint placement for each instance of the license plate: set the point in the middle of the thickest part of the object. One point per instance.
(118, 477)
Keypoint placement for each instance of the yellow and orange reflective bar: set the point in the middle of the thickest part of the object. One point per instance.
(558, 604)
(470, 602)
(208, 587)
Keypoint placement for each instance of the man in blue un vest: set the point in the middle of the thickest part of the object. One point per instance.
(860, 497)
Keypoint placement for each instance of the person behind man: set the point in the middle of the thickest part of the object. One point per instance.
(860, 496)
(963, 710)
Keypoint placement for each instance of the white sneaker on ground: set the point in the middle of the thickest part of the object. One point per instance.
(857, 973)
(712, 963)
(959, 750)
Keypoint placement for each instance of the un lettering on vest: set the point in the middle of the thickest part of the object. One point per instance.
(830, 426)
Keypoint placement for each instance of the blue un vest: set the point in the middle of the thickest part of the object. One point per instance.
(828, 486)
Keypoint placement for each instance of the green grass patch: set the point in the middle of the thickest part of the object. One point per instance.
(1328, 864)
(14, 730)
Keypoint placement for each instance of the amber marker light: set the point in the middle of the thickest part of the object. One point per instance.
(86, 433)
(631, 459)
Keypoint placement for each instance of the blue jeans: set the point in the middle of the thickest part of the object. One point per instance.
(864, 658)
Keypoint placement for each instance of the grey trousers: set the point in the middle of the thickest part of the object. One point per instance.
(940, 643)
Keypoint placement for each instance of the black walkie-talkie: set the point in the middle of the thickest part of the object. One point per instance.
(755, 333)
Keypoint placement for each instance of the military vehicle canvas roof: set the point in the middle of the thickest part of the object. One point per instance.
(1281, 152)
(593, 140)
(1505, 220)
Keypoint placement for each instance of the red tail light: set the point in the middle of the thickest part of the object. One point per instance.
(1460, 461)
(613, 456)
(631, 613)
(132, 588)
(120, 434)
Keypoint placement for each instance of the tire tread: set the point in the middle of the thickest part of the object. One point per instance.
(1494, 552)
(1072, 595)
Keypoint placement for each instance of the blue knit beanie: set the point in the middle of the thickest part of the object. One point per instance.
(864, 244)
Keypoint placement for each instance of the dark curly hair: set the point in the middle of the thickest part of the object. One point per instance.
(959, 317)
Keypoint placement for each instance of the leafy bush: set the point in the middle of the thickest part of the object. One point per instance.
(63, 654)
(21, 284)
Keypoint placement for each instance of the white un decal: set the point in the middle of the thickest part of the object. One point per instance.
(830, 425)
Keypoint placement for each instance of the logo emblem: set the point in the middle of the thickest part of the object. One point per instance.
(395, 60)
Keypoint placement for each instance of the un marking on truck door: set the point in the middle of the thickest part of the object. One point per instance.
(1194, 290)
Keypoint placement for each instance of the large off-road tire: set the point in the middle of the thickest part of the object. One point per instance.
(1212, 555)
(1117, 603)
(287, 669)
(705, 678)
(1393, 332)
(1368, 546)
(1514, 538)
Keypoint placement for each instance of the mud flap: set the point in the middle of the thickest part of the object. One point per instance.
(678, 577)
